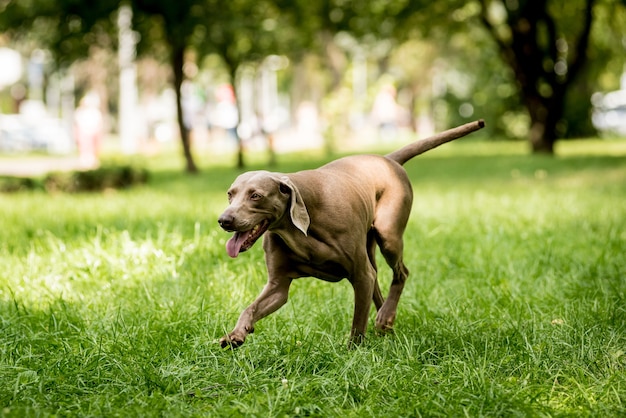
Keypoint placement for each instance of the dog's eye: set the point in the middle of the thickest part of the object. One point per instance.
(255, 196)
(230, 196)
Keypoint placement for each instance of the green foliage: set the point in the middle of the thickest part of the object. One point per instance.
(179, 18)
(246, 31)
(66, 27)
(113, 304)
(238, 31)
(15, 184)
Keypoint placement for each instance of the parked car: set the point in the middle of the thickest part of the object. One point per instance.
(609, 112)
(20, 134)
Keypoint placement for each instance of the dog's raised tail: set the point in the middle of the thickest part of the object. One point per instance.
(404, 154)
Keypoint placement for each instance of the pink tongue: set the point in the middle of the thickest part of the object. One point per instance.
(233, 246)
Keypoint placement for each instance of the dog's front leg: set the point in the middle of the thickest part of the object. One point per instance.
(364, 286)
(273, 296)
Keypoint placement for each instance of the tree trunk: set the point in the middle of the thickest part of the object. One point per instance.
(233, 79)
(178, 57)
(334, 58)
(540, 143)
(541, 134)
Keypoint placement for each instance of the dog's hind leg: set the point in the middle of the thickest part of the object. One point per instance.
(389, 230)
(387, 312)
(371, 254)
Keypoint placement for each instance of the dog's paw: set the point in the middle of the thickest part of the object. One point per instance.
(384, 324)
(232, 340)
(356, 339)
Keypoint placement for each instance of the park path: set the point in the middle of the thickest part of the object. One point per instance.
(36, 166)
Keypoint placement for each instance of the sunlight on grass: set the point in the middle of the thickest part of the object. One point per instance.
(112, 304)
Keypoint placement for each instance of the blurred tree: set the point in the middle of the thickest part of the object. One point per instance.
(180, 21)
(246, 32)
(66, 27)
(545, 44)
(606, 63)
(470, 79)
(238, 31)
(339, 34)
(71, 31)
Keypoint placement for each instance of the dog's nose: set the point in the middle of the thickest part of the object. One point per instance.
(226, 221)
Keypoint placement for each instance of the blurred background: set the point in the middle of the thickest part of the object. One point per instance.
(213, 78)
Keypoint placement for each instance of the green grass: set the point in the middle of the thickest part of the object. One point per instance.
(113, 304)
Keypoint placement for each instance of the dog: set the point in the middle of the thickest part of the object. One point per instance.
(326, 223)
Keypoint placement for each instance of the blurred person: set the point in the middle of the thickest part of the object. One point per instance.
(308, 124)
(88, 129)
(226, 114)
(385, 112)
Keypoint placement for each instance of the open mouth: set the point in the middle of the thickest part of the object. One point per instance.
(243, 240)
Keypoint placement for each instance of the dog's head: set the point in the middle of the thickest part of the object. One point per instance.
(258, 201)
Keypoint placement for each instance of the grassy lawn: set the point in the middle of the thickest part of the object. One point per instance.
(112, 304)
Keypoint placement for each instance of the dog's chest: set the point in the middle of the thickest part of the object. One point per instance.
(315, 257)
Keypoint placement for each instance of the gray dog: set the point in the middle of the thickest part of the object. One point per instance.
(326, 223)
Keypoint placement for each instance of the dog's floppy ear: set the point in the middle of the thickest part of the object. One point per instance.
(297, 208)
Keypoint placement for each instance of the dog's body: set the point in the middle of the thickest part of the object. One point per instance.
(326, 223)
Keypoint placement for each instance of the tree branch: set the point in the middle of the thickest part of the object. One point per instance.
(580, 50)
